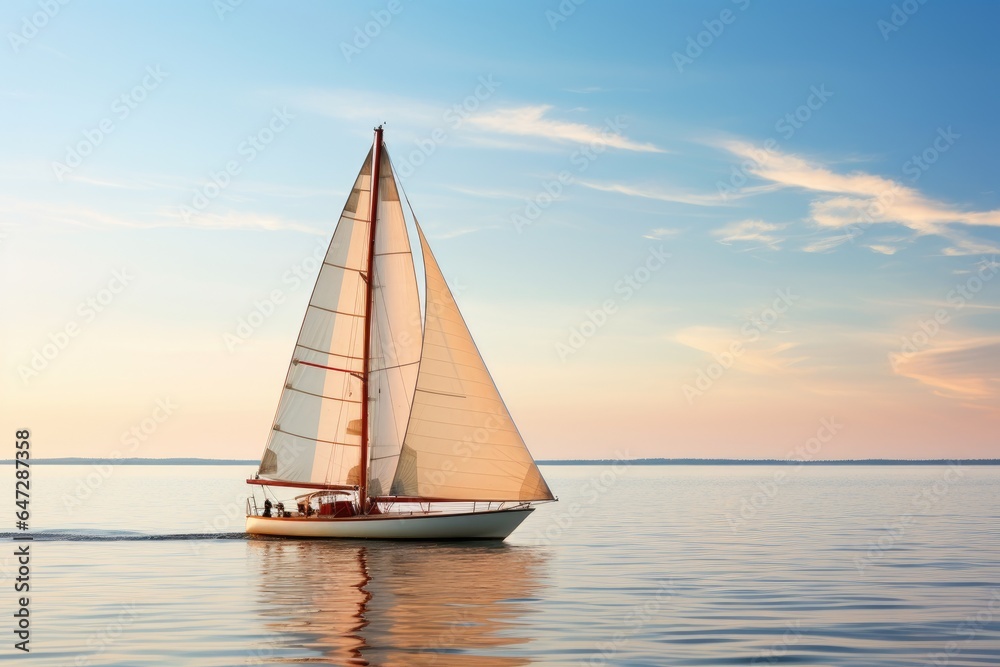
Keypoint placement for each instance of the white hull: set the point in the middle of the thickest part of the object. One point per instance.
(491, 525)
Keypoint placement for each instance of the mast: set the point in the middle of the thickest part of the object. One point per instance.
(369, 290)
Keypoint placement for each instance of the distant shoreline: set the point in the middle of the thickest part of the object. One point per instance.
(572, 462)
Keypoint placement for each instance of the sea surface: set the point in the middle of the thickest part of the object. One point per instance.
(636, 565)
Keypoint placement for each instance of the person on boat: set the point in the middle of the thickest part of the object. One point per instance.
(267, 507)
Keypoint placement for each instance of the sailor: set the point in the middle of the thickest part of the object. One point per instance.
(267, 507)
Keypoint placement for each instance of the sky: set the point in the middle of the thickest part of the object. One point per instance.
(706, 229)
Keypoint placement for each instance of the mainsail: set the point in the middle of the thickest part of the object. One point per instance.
(316, 438)
(438, 428)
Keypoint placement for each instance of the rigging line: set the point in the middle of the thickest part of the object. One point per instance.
(389, 368)
(345, 268)
(476, 367)
(465, 473)
(329, 353)
(335, 312)
(305, 437)
(493, 430)
(327, 398)
(440, 393)
(329, 368)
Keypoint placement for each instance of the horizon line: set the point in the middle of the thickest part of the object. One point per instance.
(81, 460)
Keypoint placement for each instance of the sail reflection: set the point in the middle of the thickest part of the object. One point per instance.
(384, 603)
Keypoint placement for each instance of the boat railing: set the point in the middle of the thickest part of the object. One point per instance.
(407, 508)
(446, 507)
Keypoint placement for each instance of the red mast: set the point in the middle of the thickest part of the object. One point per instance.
(369, 287)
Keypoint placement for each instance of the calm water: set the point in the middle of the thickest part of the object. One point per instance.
(713, 565)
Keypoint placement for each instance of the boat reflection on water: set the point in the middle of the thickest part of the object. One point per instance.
(385, 603)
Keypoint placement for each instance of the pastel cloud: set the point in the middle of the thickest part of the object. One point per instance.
(854, 200)
(752, 358)
(82, 215)
(692, 198)
(655, 193)
(883, 249)
(532, 121)
(967, 369)
(660, 233)
(751, 231)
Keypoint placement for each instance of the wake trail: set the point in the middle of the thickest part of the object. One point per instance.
(83, 535)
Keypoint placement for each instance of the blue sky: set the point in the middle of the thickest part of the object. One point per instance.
(821, 175)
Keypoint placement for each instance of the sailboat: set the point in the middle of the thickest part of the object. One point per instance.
(389, 425)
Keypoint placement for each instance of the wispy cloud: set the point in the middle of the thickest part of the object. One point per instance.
(236, 220)
(653, 193)
(966, 246)
(90, 217)
(106, 183)
(969, 369)
(827, 243)
(883, 249)
(692, 198)
(751, 231)
(757, 359)
(660, 233)
(859, 198)
(532, 121)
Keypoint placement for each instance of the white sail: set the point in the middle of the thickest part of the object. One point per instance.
(316, 436)
(396, 334)
(460, 441)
